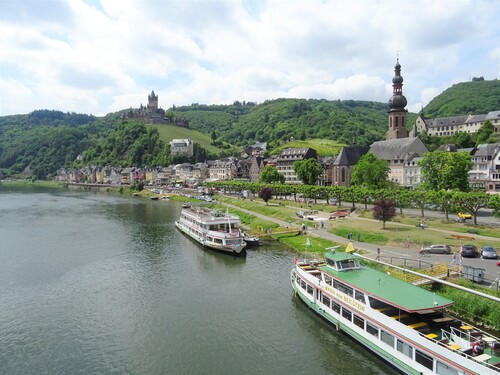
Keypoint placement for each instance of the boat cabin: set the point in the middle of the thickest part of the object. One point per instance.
(342, 261)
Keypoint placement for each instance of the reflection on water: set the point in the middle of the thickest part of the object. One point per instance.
(103, 284)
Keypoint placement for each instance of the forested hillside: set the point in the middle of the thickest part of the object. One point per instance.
(43, 141)
(476, 97)
(276, 121)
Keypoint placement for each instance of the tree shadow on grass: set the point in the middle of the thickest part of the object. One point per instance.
(396, 229)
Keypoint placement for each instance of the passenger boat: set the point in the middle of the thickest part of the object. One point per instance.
(251, 240)
(214, 229)
(402, 323)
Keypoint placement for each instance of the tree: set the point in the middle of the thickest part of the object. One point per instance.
(471, 202)
(484, 133)
(370, 172)
(270, 175)
(265, 194)
(308, 170)
(384, 210)
(442, 170)
(441, 198)
(495, 204)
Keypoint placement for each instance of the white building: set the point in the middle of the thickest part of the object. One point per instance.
(181, 147)
(485, 172)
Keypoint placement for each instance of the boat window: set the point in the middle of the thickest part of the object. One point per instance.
(387, 338)
(336, 307)
(331, 262)
(404, 348)
(375, 303)
(343, 288)
(359, 321)
(359, 296)
(326, 301)
(348, 264)
(310, 290)
(423, 359)
(303, 284)
(346, 314)
(444, 369)
(372, 330)
(328, 279)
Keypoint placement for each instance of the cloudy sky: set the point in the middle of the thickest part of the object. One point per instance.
(100, 56)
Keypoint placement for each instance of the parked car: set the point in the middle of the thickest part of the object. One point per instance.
(469, 251)
(436, 249)
(488, 252)
(464, 215)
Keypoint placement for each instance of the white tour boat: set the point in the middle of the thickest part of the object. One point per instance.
(402, 323)
(215, 229)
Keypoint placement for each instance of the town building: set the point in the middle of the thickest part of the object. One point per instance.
(344, 163)
(285, 161)
(485, 171)
(222, 170)
(256, 168)
(447, 126)
(181, 147)
(398, 152)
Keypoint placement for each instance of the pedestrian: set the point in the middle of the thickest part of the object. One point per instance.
(350, 236)
(454, 259)
(378, 252)
(322, 224)
(359, 237)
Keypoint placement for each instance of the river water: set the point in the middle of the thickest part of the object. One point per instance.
(98, 283)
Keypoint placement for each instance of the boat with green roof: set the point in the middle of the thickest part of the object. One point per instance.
(402, 323)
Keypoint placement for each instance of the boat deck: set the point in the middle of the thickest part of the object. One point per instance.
(434, 325)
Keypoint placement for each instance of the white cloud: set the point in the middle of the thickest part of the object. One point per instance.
(100, 56)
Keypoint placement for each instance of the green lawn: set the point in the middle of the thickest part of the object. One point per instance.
(371, 230)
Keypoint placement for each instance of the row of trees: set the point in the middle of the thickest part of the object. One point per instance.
(446, 200)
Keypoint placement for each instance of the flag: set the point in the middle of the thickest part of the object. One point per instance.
(308, 243)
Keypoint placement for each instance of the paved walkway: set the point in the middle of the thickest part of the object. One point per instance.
(323, 233)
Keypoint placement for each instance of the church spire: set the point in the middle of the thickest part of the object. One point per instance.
(397, 104)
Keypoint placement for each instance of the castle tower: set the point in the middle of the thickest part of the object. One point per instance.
(152, 102)
(397, 104)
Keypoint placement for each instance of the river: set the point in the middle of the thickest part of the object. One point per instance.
(99, 283)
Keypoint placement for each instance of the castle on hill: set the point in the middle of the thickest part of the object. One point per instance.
(152, 114)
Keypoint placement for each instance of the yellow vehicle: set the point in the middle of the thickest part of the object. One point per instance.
(464, 215)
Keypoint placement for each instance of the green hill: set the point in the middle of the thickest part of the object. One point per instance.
(169, 132)
(324, 147)
(276, 121)
(476, 97)
(46, 140)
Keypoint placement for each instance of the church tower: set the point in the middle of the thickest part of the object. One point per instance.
(397, 104)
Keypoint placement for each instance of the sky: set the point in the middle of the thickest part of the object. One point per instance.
(102, 56)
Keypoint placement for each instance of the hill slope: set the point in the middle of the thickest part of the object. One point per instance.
(169, 132)
(276, 121)
(476, 97)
